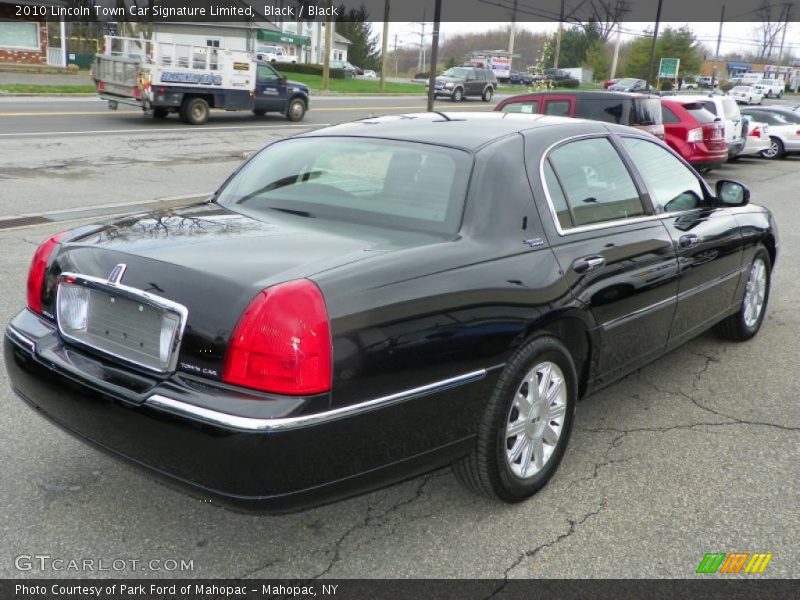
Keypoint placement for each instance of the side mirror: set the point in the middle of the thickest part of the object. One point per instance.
(732, 193)
(282, 81)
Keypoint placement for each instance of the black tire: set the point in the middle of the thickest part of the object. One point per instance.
(736, 327)
(487, 94)
(259, 112)
(486, 470)
(160, 113)
(458, 95)
(776, 151)
(194, 111)
(296, 110)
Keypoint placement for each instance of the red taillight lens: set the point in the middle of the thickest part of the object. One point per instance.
(38, 270)
(756, 133)
(282, 343)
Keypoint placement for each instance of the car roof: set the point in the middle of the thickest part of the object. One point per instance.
(588, 95)
(466, 130)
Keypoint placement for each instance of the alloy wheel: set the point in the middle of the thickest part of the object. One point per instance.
(755, 292)
(535, 420)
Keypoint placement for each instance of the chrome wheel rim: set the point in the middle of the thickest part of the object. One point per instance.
(755, 292)
(535, 420)
(198, 112)
(772, 150)
(296, 109)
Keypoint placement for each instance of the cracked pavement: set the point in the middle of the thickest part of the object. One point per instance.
(696, 453)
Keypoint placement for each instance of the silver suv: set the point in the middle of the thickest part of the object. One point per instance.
(460, 82)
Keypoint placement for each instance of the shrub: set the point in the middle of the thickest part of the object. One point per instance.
(726, 86)
(570, 83)
(667, 85)
(308, 69)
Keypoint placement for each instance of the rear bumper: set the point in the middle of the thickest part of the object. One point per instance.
(295, 459)
(735, 148)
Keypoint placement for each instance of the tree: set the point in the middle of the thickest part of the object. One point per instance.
(606, 14)
(768, 34)
(598, 60)
(575, 43)
(354, 24)
(672, 43)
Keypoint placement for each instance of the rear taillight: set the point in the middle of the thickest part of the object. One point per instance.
(101, 86)
(695, 135)
(38, 271)
(282, 343)
(755, 132)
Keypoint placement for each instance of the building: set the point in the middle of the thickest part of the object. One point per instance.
(314, 32)
(26, 41)
(728, 69)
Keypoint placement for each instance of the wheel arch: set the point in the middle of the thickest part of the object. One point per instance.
(772, 248)
(209, 98)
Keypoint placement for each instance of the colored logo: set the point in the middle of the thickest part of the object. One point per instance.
(734, 562)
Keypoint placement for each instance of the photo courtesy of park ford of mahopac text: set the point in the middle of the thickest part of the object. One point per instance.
(399, 299)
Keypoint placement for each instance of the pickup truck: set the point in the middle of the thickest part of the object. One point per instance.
(274, 54)
(163, 78)
(770, 88)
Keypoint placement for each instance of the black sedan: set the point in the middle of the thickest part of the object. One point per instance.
(367, 302)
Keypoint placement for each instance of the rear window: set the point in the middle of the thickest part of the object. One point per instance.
(646, 111)
(699, 110)
(375, 182)
(608, 110)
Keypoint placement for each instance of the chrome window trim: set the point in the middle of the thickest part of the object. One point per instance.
(257, 425)
(594, 226)
(131, 293)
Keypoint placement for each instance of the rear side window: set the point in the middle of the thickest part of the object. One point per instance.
(646, 111)
(669, 116)
(558, 108)
(699, 111)
(521, 107)
(610, 110)
(709, 106)
(594, 182)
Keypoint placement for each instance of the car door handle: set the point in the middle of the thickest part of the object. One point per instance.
(588, 263)
(688, 240)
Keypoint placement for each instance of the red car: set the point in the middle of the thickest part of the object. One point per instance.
(694, 133)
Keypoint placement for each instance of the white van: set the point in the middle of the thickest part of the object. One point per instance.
(725, 109)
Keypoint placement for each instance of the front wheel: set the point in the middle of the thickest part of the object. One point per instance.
(745, 323)
(487, 94)
(296, 110)
(458, 95)
(526, 424)
(775, 150)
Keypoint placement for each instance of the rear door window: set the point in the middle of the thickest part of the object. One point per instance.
(646, 111)
(607, 110)
(595, 182)
(522, 107)
(558, 108)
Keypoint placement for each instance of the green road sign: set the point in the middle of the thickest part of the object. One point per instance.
(668, 68)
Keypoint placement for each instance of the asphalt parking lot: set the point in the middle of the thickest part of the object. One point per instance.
(695, 453)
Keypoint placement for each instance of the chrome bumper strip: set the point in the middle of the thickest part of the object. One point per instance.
(20, 338)
(250, 424)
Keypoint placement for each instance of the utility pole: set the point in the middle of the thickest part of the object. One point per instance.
(716, 54)
(421, 58)
(437, 17)
(396, 58)
(558, 36)
(511, 35)
(326, 60)
(615, 60)
(785, 27)
(385, 45)
(653, 47)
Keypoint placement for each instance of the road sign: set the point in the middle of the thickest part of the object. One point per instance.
(668, 68)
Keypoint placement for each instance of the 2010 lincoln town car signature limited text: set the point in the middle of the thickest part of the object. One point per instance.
(366, 302)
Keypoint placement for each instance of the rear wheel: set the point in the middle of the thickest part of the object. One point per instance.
(458, 95)
(746, 322)
(775, 150)
(487, 94)
(194, 111)
(259, 112)
(296, 110)
(160, 113)
(526, 424)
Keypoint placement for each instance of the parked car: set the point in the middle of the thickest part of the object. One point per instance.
(520, 78)
(557, 74)
(705, 81)
(689, 85)
(784, 130)
(628, 85)
(461, 82)
(694, 133)
(370, 73)
(771, 88)
(756, 137)
(635, 110)
(358, 305)
(349, 70)
(726, 109)
(746, 94)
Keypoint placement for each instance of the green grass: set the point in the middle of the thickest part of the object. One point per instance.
(30, 88)
(356, 86)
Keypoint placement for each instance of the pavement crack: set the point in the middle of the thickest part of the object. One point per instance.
(376, 520)
(574, 524)
(262, 567)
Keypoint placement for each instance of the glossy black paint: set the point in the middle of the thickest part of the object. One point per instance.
(407, 309)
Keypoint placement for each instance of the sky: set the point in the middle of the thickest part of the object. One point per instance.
(735, 36)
